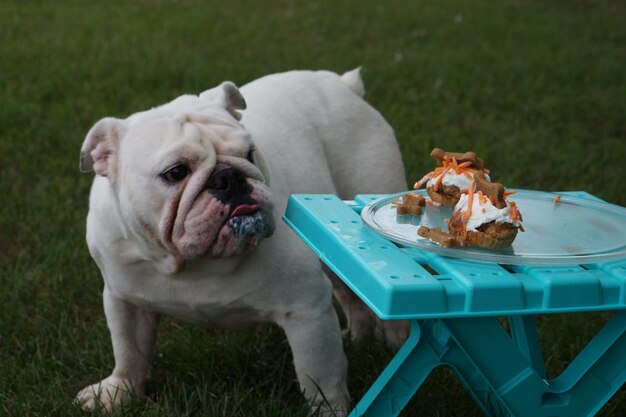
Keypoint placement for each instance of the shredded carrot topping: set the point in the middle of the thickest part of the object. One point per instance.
(440, 179)
(433, 203)
(422, 181)
(509, 192)
(455, 165)
(482, 199)
(514, 211)
(465, 168)
(470, 201)
(515, 214)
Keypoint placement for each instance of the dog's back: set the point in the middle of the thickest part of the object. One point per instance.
(330, 140)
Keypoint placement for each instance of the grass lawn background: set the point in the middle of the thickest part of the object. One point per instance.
(537, 88)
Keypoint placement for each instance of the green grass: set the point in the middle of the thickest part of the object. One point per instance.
(537, 88)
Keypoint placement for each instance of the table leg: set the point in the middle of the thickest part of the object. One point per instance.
(429, 345)
(582, 389)
(524, 332)
(501, 373)
(598, 371)
(400, 380)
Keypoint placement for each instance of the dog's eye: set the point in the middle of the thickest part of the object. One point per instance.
(176, 173)
(250, 156)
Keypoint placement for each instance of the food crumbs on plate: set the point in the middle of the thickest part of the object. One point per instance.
(557, 198)
(438, 236)
(410, 204)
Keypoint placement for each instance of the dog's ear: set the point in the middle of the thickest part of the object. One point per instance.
(226, 95)
(99, 151)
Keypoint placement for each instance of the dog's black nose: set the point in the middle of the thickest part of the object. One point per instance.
(229, 186)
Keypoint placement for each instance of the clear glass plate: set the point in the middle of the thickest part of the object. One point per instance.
(573, 231)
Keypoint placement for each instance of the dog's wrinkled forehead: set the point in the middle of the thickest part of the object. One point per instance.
(213, 116)
(188, 136)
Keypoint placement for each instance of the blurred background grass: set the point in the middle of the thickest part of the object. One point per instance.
(537, 88)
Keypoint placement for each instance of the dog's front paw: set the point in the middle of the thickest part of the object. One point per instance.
(106, 394)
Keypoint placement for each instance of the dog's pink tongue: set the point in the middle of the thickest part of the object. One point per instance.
(244, 209)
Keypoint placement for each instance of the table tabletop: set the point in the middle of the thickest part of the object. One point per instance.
(403, 283)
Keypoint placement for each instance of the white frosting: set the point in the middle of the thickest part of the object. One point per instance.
(490, 213)
(452, 178)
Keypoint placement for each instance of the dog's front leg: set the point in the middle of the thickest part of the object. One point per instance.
(321, 365)
(133, 333)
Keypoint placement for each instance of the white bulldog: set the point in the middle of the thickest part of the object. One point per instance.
(184, 219)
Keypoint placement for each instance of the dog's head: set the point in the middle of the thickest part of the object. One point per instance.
(186, 175)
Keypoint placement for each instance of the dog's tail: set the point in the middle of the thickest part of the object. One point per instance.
(353, 80)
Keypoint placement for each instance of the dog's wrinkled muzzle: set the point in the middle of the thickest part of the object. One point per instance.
(229, 217)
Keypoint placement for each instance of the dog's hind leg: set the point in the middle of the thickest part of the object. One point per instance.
(360, 318)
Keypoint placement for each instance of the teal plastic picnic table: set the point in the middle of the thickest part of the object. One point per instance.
(453, 305)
